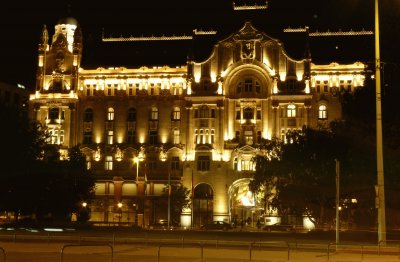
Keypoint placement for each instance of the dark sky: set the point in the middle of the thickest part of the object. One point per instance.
(21, 23)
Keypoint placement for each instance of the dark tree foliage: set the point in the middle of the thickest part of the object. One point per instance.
(34, 181)
(180, 199)
(303, 174)
(360, 125)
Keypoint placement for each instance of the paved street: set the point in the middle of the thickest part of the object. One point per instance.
(122, 245)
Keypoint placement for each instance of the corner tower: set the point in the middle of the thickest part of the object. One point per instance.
(55, 97)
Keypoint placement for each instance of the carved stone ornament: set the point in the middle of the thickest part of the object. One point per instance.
(248, 50)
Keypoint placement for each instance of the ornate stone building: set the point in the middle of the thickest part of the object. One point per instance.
(198, 124)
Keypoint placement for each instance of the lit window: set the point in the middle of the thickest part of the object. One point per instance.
(176, 114)
(322, 112)
(110, 114)
(176, 136)
(203, 163)
(61, 136)
(247, 165)
(201, 137)
(248, 137)
(291, 111)
(154, 113)
(110, 137)
(212, 136)
(108, 164)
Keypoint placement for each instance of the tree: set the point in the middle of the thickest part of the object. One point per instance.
(303, 173)
(33, 179)
(180, 199)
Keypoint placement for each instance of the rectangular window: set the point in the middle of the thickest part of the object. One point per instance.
(153, 137)
(259, 137)
(175, 163)
(176, 136)
(131, 137)
(248, 85)
(110, 137)
(61, 136)
(237, 114)
(237, 136)
(108, 164)
(248, 136)
(203, 163)
(247, 165)
(258, 113)
(152, 164)
(87, 138)
(176, 114)
(212, 113)
(130, 91)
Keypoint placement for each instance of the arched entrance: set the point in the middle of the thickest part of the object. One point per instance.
(243, 205)
(203, 204)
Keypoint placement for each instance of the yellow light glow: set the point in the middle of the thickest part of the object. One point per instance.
(282, 76)
(213, 77)
(84, 204)
(40, 61)
(219, 88)
(119, 204)
(308, 224)
(307, 89)
(141, 138)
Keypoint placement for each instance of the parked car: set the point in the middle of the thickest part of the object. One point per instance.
(278, 227)
(216, 225)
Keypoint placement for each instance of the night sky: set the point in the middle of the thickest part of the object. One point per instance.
(21, 24)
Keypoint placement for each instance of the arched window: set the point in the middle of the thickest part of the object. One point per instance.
(291, 110)
(110, 114)
(131, 115)
(154, 113)
(88, 117)
(322, 112)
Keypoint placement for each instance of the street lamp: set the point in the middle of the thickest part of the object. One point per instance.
(379, 148)
(136, 160)
(119, 211)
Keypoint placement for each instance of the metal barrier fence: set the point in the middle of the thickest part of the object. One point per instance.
(200, 245)
(4, 254)
(276, 244)
(76, 246)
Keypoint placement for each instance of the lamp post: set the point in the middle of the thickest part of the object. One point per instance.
(379, 148)
(169, 199)
(119, 211)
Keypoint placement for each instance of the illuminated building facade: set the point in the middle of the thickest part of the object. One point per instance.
(198, 124)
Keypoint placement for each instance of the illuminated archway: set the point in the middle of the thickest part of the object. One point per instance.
(243, 205)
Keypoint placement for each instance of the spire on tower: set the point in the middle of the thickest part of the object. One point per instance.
(44, 39)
